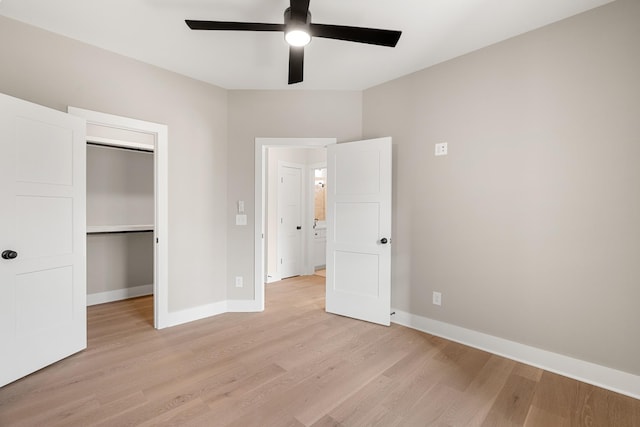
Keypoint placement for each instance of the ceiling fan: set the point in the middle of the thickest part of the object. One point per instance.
(298, 30)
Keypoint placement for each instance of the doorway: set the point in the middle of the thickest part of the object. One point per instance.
(108, 130)
(262, 145)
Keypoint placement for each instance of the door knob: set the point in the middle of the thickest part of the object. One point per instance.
(9, 254)
(384, 241)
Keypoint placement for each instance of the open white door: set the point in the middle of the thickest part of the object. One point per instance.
(42, 237)
(359, 230)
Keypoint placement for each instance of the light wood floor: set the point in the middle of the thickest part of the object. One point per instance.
(293, 365)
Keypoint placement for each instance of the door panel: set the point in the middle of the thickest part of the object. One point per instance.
(357, 173)
(355, 272)
(42, 195)
(45, 152)
(46, 294)
(354, 223)
(358, 218)
(290, 213)
(45, 226)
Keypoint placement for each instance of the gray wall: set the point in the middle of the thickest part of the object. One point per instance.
(530, 226)
(56, 72)
(120, 186)
(119, 261)
(282, 114)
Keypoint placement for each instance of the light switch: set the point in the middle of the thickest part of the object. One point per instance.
(241, 206)
(441, 149)
(241, 219)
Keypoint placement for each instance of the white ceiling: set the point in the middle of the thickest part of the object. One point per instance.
(154, 31)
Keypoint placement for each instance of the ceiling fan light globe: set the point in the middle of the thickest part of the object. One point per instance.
(297, 38)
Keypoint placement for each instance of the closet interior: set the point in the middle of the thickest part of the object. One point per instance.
(120, 214)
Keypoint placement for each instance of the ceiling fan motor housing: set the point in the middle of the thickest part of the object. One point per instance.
(296, 24)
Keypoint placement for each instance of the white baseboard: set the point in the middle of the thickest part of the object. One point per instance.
(119, 294)
(243, 306)
(601, 376)
(273, 278)
(175, 318)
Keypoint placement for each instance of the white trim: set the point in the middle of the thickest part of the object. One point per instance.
(175, 318)
(209, 310)
(591, 373)
(120, 143)
(259, 167)
(119, 294)
(243, 306)
(273, 278)
(161, 171)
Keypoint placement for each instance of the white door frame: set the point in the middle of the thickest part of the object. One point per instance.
(161, 226)
(261, 144)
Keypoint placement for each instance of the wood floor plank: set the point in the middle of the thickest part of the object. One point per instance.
(293, 365)
(512, 404)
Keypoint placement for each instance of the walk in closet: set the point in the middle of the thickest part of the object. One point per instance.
(120, 214)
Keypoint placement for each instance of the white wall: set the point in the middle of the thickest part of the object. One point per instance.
(55, 71)
(529, 227)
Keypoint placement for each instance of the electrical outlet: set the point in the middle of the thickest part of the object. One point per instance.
(437, 298)
(239, 282)
(441, 149)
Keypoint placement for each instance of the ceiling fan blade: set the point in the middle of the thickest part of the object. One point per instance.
(357, 34)
(233, 26)
(299, 10)
(296, 64)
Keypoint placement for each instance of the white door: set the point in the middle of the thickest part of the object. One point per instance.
(42, 237)
(290, 221)
(359, 230)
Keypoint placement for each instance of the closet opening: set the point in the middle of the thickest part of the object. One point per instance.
(120, 222)
(126, 208)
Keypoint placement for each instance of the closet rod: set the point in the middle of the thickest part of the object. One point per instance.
(99, 144)
(120, 232)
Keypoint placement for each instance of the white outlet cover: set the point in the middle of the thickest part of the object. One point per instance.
(239, 281)
(241, 220)
(437, 298)
(441, 149)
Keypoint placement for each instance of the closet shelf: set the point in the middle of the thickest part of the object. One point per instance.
(101, 229)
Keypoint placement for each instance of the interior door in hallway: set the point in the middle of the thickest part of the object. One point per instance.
(290, 250)
(42, 237)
